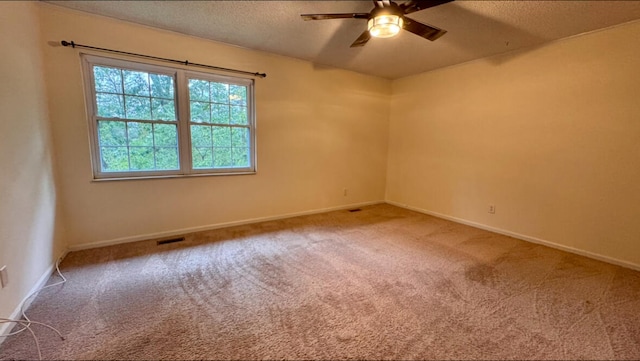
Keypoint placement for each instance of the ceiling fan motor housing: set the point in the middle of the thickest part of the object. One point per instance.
(391, 9)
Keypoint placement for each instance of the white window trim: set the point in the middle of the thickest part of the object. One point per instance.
(181, 77)
(250, 114)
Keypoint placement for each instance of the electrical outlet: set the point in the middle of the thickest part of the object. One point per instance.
(4, 278)
(344, 192)
(492, 209)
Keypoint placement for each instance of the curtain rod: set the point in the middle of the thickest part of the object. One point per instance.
(183, 62)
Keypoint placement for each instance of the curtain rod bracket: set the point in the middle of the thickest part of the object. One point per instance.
(186, 62)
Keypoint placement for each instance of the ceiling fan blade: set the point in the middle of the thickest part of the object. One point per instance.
(426, 31)
(417, 5)
(362, 39)
(307, 17)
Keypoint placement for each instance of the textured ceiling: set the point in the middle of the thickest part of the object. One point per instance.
(476, 29)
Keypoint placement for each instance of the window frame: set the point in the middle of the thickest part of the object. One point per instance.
(181, 78)
(250, 117)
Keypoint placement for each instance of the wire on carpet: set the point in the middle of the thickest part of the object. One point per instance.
(26, 322)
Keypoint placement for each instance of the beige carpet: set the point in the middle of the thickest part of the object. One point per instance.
(382, 283)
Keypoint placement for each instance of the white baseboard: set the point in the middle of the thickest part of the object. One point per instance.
(177, 232)
(5, 328)
(523, 237)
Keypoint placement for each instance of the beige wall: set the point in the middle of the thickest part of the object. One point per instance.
(30, 227)
(319, 131)
(551, 136)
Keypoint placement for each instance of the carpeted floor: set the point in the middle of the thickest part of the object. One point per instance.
(382, 283)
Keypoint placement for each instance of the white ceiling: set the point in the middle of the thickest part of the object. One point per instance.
(476, 29)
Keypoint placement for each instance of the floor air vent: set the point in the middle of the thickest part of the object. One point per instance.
(167, 241)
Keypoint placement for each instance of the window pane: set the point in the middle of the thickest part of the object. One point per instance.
(241, 157)
(222, 158)
(239, 115)
(240, 137)
(220, 93)
(142, 158)
(200, 112)
(165, 135)
(163, 109)
(107, 80)
(113, 159)
(222, 136)
(167, 158)
(161, 86)
(140, 134)
(201, 136)
(220, 113)
(136, 82)
(202, 157)
(138, 107)
(110, 105)
(198, 90)
(112, 133)
(238, 95)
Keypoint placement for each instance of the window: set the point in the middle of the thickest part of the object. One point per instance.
(148, 121)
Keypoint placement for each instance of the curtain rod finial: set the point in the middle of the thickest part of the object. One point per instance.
(66, 43)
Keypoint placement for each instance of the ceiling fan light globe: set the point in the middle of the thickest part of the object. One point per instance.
(384, 26)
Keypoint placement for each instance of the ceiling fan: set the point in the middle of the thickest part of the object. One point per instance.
(387, 18)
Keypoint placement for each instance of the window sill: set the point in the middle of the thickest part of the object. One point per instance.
(194, 175)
